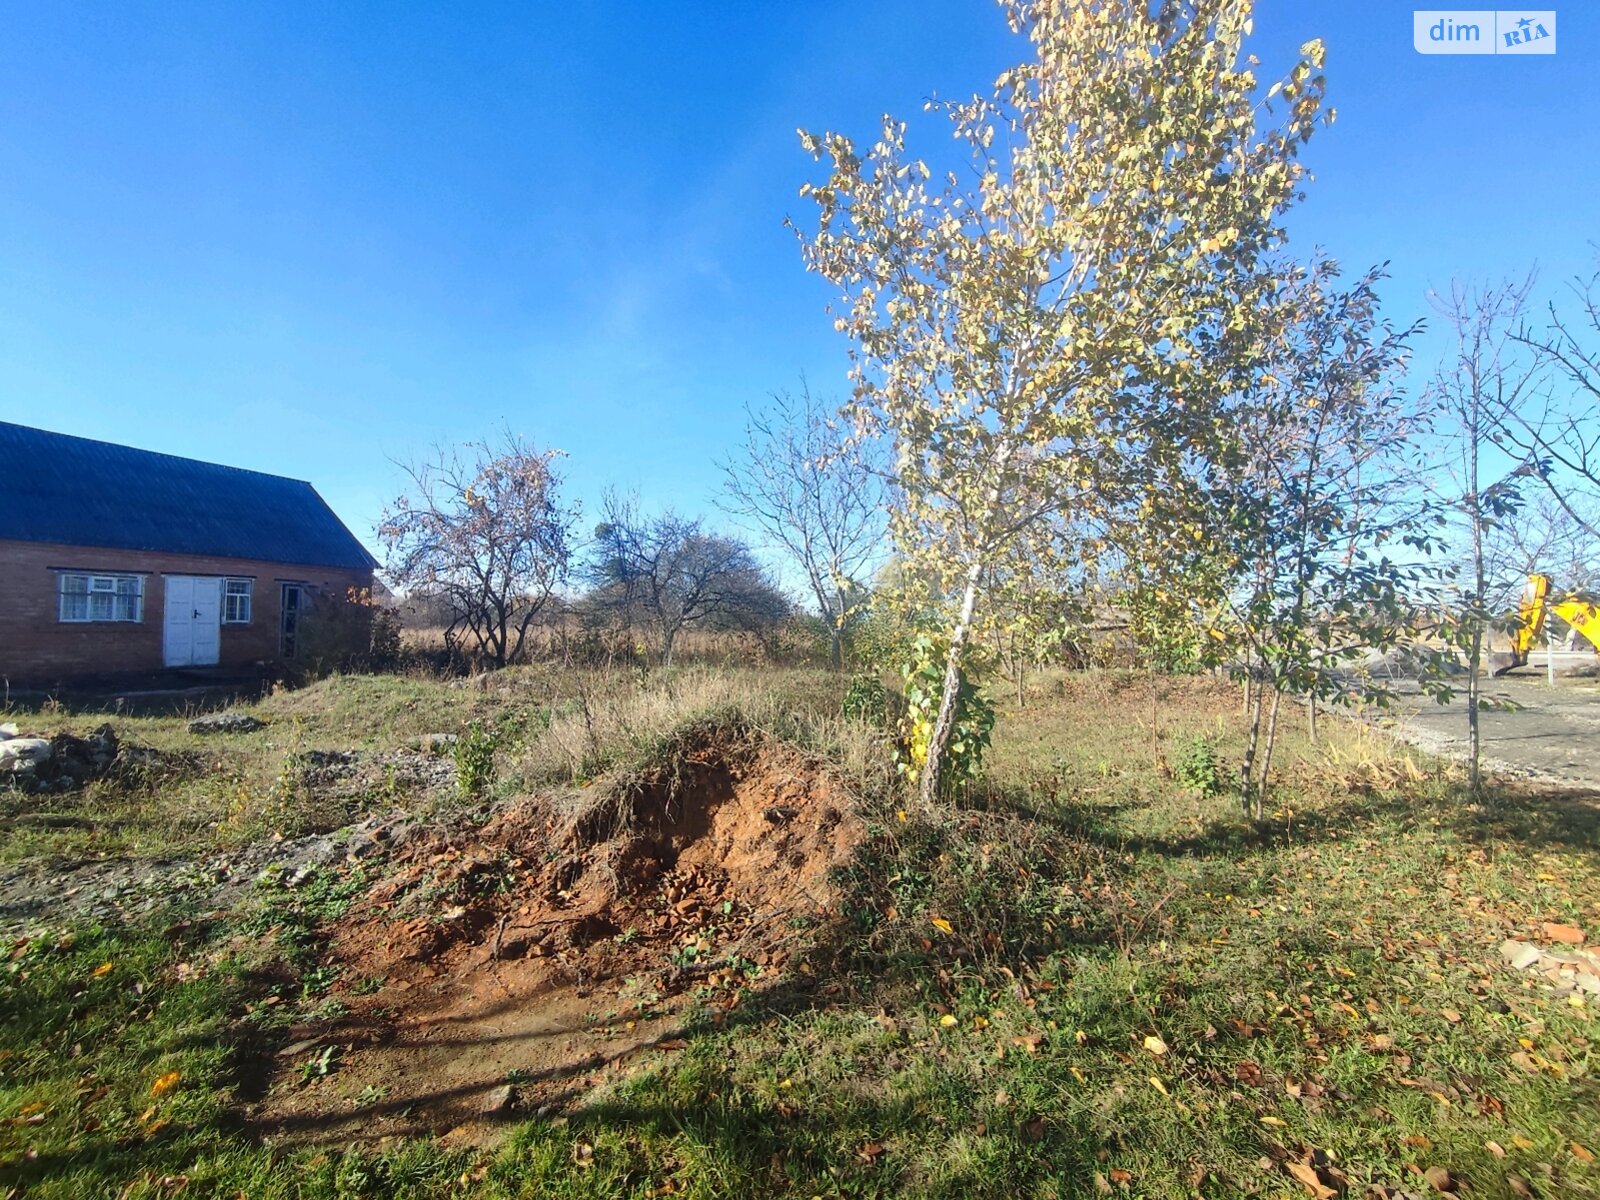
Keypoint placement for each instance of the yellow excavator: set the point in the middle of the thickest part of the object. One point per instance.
(1531, 614)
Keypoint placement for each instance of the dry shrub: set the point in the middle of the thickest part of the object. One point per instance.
(616, 717)
(1358, 758)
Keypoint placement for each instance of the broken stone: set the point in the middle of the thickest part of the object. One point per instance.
(1520, 955)
(500, 1099)
(225, 722)
(24, 754)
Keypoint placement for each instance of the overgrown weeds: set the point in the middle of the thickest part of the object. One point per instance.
(1089, 979)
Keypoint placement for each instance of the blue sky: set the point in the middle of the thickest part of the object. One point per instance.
(308, 239)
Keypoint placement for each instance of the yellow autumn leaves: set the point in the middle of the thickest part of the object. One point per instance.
(165, 1083)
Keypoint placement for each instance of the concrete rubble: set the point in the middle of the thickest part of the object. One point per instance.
(226, 722)
(1567, 967)
(61, 763)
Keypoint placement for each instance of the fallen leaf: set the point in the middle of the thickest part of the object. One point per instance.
(1162, 1088)
(1440, 1179)
(1570, 934)
(1451, 1015)
(1155, 1045)
(1308, 1176)
(165, 1083)
(947, 1020)
(1519, 1187)
(1275, 1122)
(941, 925)
(1582, 1154)
(1495, 1148)
(104, 968)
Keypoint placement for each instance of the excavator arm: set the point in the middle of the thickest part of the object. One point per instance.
(1535, 610)
(1583, 617)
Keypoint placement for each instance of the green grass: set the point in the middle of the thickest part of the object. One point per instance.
(1327, 988)
(549, 728)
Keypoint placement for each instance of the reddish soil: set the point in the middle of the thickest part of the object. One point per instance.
(504, 970)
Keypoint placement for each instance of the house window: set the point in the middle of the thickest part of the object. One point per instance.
(236, 601)
(87, 598)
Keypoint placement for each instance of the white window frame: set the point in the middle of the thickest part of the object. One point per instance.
(122, 596)
(244, 613)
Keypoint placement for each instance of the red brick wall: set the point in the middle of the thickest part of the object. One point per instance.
(37, 649)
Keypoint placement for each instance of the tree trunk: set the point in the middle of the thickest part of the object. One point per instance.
(836, 635)
(1475, 658)
(1266, 756)
(1247, 769)
(1474, 776)
(928, 790)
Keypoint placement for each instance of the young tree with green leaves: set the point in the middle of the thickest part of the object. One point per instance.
(1322, 553)
(1051, 328)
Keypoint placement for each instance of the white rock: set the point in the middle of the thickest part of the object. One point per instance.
(8, 730)
(1520, 955)
(20, 753)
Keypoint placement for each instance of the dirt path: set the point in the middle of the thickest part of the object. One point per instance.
(1532, 731)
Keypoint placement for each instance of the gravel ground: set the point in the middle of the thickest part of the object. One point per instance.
(1530, 731)
(33, 895)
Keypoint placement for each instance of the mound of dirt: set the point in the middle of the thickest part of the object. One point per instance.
(508, 968)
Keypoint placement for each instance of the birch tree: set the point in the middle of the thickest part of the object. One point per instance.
(1048, 327)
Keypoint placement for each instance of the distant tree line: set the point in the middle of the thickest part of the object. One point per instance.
(483, 546)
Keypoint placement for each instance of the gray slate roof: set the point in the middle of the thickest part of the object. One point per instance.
(79, 492)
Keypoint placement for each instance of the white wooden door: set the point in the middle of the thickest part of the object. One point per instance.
(192, 621)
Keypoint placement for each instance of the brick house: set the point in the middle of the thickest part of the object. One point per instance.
(120, 561)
